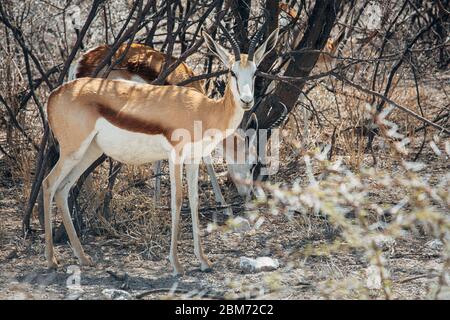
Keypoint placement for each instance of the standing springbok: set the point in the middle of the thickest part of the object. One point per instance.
(139, 123)
(141, 63)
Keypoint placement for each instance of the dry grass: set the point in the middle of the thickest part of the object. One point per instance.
(2, 232)
(358, 205)
(351, 225)
(134, 219)
(333, 208)
(367, 207)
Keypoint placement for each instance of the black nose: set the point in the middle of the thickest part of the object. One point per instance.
(246, 102)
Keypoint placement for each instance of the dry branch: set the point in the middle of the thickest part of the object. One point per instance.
(389, 101)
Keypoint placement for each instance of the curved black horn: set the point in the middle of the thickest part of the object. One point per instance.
(252, 119)
(281, 118)
(234, 45)
(254, 42)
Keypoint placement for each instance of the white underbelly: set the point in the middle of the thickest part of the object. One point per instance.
(130, 147)
(195, 151)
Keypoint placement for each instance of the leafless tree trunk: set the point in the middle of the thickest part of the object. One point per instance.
(320, 23)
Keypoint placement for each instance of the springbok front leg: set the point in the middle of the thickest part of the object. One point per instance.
(192, 179)
(176, 194)
(216, 188)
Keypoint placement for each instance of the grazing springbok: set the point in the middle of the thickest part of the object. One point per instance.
(138, 123)
(141, 63)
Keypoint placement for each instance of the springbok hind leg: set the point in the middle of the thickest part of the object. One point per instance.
(50, 185)
(62, 193)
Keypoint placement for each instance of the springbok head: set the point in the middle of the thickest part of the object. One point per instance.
(242, 67)
(244, 157)
(246, 144)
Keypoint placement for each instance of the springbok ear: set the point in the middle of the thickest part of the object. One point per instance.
(266, 47)
(219, 51)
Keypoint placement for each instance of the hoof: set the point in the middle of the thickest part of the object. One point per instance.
(178, 269)
(179, 272)
(52, 263)
(206, 270)
(87, 261)
(206, 266)
(228, 212)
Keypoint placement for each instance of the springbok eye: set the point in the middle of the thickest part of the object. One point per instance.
(233, 74)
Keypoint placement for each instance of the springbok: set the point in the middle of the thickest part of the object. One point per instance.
(141, 63)
(140, 123)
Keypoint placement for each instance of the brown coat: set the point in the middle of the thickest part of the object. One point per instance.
(134, 107)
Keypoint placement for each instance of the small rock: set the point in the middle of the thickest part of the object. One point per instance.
(435, 244)
(258, 264)
(114, 294)
(240, 224)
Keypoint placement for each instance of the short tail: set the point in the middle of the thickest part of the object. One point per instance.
(72, 71)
